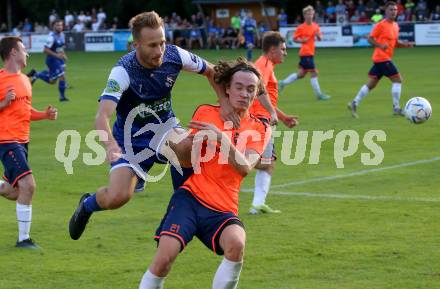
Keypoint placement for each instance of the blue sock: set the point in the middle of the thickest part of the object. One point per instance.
(43, 75)
(62, 88)
(249, 54)
(91, 205)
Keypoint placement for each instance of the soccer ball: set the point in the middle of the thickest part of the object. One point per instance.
(418, 109)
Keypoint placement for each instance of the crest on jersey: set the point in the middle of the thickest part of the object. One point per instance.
(112, 86)
(169, 82)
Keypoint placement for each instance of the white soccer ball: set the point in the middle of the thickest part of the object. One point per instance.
(418, 109)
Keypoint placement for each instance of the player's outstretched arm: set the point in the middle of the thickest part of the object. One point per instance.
(373, 42)
(51, 113)
(404, 44)
(288, 120)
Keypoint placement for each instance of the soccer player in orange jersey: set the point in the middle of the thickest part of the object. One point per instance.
(306, 34)
(384, 37)
(16, 113)
(206, 205)
(274, 51)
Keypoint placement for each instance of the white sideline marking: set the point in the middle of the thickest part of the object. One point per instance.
(352, 174)
(357, 197)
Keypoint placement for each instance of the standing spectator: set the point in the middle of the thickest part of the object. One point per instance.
(377, 16)
(319, 8)
(53, 17)
(236, 22)
(195, 35)
(27, 26)
(82, 17)
(360, 7)
(282, 18)
(101, 16)
(95, 25)
(69, 20)
(330, 12)
(79, 26)
(435, 15)
(213, 33)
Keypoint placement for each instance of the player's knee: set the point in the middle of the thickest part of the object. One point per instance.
(162, 265)
(234, 249)
(27, 188)
(116, 199)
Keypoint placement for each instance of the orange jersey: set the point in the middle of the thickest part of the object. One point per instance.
(266, 67)
(16, 117)
(308, 31)
(385, 32)
(217, 185)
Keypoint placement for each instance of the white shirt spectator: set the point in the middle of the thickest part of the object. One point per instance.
(101, 16)
(82, 17)
(95, 25)
(68, 18)
(78, 27)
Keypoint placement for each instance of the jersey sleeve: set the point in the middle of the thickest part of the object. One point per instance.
(49, 41)
(377, 29)
(298, 32)
(318, 31)
(118, 82)
(191, 62)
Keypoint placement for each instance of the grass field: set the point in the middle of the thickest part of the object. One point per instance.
(362, 227)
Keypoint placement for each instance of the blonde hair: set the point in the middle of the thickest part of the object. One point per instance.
(146, 19)
(308, 8)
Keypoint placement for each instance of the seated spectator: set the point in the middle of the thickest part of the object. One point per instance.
(435, 15)
(230, 38)
(363, 18)
(195, 35)
(355, 17)
(213, 33)
(360, 7)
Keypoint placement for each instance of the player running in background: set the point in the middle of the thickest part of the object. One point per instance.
(249, 29)
(384, 37)
(55, 60)
(16, 113)
(274, 51)
(206, 205)
(140, 83)
(306, 34)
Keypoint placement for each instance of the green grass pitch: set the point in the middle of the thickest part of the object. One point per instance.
(358, 229)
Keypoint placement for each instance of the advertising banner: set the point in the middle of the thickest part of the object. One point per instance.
(360, 34)
(99, 41)
(120, 39)
(427, 34)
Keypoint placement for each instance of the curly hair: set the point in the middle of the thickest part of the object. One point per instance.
(225, 70)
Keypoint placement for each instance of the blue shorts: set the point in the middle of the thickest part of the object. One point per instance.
(14, 157)
(186, 218)
(386, 68)
(307, 63)
(140, 167)
(56, 68)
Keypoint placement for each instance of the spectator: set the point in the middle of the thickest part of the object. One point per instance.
(435, 15)
(3, 27)
(370, 8)
(79, 26)
(52, 17)
(95, 25)
(401, 17)
(351, 8)
(41, 29)
(81, 17)
(409, 16)
(319, 18)
(340, 7)
(195, 35)
(400, 7)
(282, 18)
(236, 22)
(230, 38)
(319, 8)
(27, 26)
(330, 13)
(363, 18)
(16, 31)
(410, 5)
(101, 16)
(422, 10)
(355, 17)
(199, 20)
(115, 23)
(88, 19)
(213, 32)
(377, 16)
(360, 7)
(68, 20)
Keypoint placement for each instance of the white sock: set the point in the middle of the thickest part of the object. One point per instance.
(151, 281)
(24, 218)
(262, 184)
(396, 89)
(227, 275)
(291, 78)
(361, 94)
(315, 84)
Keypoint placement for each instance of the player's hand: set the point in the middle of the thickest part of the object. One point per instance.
(10, 95)
(51, 113)
(200, 125)
(227, 113)
(409, 44)
(304, 39)
(62, 56)
(114, 152)
(290, 121)
(383, 46)
(274, 119)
